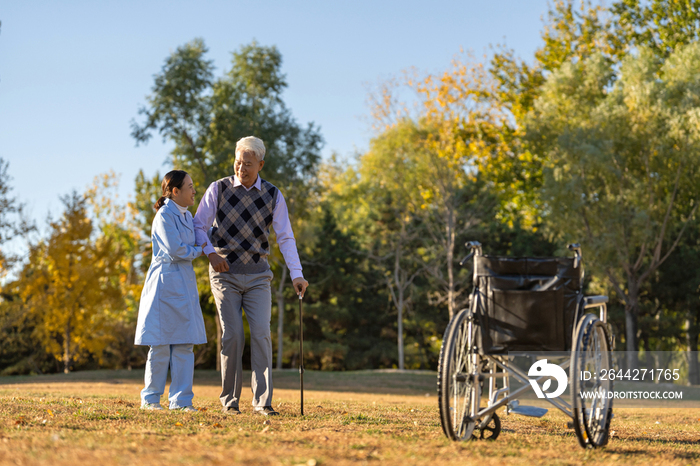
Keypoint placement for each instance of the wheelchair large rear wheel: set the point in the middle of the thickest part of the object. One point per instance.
(457, 377)
(591, 362)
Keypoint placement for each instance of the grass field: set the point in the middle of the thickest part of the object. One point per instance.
(351, 418)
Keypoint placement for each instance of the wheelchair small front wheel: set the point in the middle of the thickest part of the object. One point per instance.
(492, 429)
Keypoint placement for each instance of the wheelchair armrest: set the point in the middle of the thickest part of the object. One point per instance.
(594, 301)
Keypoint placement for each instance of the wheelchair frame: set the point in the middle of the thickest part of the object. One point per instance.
(464, 368)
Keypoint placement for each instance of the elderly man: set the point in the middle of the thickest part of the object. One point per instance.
(239, 210)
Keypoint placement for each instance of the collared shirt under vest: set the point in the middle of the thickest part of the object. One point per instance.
(209, 216)
(241, 228)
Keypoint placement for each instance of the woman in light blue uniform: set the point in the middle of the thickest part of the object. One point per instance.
(170, 319)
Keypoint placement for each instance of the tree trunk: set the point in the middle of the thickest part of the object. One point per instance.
(400, 342)
(631, 337)
(280, 316)
(631, 328)
(643, 342)
(66, 349)
(399, 306)
(692, 354)
(450, 234)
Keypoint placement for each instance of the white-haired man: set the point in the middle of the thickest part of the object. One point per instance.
(239, 210)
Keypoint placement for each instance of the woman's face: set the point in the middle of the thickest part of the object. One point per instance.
(185, 196)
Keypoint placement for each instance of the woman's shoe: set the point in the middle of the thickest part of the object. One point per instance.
(152, 407)
(187, 409)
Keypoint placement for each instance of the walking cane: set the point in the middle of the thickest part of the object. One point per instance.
(301, 355)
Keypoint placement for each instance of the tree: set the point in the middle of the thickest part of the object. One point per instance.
(363, 230)
(621, 159)
(439, 146)
(206, 117)
(377, 201)
(12, 220)
(672, 293)
(147, 192)
(345, 322)
(66, 286)
(18, 353)
(659, 25)
(389, 182)
(248, 101)
(575, 31)
(178, 107)
(118, 223)
(454, 128)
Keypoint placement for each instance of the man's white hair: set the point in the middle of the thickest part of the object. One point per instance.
(252, 144)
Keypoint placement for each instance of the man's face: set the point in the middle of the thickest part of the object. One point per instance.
(247, 167)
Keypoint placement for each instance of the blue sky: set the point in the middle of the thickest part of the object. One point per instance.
(74, 73)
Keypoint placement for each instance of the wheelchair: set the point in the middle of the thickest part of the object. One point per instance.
(525, 306)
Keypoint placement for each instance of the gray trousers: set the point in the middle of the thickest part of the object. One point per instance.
(234, 293)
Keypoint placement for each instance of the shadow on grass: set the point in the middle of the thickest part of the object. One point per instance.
(681, 455)
(380, 381)
(654, 441)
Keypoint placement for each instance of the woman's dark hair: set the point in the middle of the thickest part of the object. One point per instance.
(173, 179)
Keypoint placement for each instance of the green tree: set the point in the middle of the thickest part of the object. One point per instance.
(621, 160)
(12, 220)
(147, 192)
(347, 326)
(659, 25)
(672, 294)
(18, 353)
(205, 117)
(575, 31)
(389, 187)
(118, 223)
(178, 107)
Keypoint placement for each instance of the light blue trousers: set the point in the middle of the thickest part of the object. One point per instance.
(180, 359)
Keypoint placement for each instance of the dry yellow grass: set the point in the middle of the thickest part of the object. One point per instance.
(351, 418)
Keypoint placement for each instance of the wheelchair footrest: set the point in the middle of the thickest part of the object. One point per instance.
(531, 411)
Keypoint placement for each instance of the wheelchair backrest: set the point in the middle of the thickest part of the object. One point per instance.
(526, 304)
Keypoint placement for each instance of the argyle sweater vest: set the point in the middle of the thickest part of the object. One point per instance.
(241, 228)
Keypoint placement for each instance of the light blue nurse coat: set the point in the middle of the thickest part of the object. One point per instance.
(169, 312)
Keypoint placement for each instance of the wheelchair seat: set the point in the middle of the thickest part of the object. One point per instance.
(527, 304)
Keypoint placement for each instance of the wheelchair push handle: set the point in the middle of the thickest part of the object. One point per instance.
(466, 258)
(576, 249)
(475, 248)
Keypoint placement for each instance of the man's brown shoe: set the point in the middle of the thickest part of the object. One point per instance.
(230, 410)
(266, 410)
